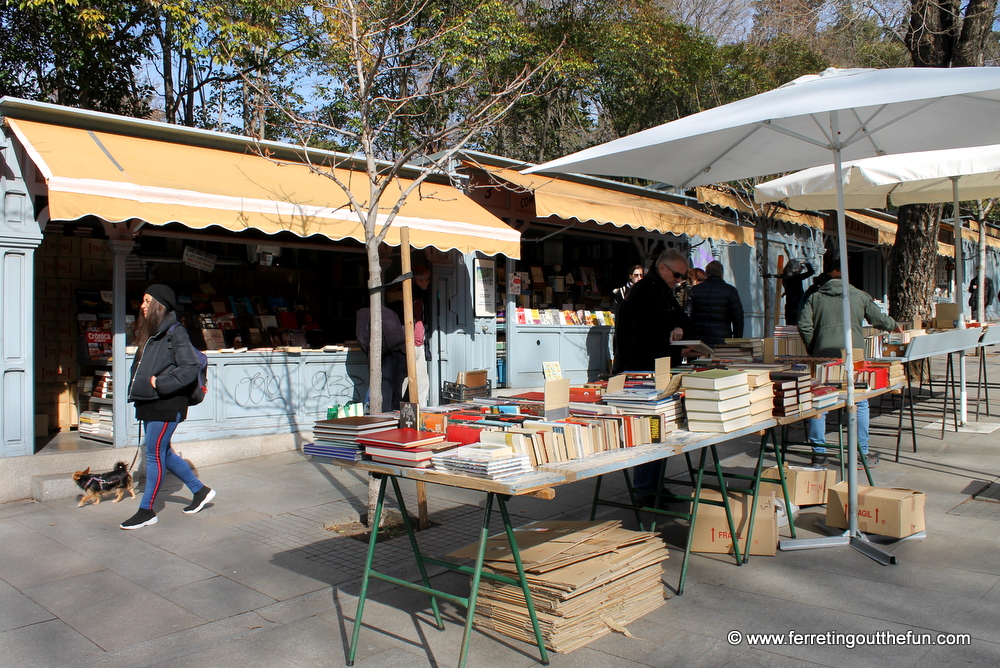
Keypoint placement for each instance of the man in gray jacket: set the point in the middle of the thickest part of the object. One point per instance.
(822, 330)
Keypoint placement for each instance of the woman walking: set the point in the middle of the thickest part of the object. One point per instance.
(163, 372)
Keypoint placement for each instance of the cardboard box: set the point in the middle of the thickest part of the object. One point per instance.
(895, 512)
(946, 315)
(807, 486)
(711, 531)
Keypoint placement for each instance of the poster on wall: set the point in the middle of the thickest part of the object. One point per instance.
(485, 282)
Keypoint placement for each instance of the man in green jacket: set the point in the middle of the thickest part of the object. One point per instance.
(822, 330)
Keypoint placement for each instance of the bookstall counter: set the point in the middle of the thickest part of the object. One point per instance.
(270, 392)
(539, 482)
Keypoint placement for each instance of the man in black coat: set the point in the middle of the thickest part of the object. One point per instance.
(716, 309)
(792, 279)
(650, 319)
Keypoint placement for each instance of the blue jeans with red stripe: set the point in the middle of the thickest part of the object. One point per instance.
(160, 457)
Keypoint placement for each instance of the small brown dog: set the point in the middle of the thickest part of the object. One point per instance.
(95, 484)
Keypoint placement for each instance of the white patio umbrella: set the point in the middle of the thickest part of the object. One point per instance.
(893, 180)
(836, 114)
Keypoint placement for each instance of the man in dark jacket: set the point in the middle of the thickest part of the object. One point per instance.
(650, 319)
(791, 280)
(393, 353)
(716, 309)
(822, 329)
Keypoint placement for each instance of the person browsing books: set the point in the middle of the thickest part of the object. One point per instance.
(822, 330)
(650, 319)
(164, 369)
(618, 295)
(648, 322)
(716, 309)
(421, 328)
(393, 354)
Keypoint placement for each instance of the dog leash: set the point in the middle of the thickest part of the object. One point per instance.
(138, 447)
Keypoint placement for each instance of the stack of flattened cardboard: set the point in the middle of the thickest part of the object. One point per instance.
(586, 579)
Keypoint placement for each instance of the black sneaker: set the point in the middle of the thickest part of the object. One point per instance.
(142, 518)
(819, 461)
(201, 497)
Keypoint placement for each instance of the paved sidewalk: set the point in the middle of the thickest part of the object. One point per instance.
(256, 580)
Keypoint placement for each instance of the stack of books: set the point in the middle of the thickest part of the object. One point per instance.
(744, 349)
(717, 400)
(89, 422)
(404, 447)
(103, 385)
(761, 390)
(338, 438)
(586, 579)
(824, 396)
(792, 393)
(787, 342)
(482, 460)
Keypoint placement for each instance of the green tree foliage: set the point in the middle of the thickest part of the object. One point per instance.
(86, 53)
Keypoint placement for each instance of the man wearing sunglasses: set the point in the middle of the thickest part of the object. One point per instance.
(648, 321)
(650, 318)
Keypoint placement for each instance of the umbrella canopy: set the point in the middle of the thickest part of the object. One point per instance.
(864, 112)
(838, 114)
(891, 180)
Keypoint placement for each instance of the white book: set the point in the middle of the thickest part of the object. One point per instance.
(715, 379)
(709, 406)
(717, 395)
(706, 416)
(762, 392)
(720, 427)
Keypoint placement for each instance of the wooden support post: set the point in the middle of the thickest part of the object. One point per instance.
(411, 361)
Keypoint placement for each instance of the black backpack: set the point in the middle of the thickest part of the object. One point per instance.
(199, 389)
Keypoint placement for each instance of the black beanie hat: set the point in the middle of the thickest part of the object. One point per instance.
(163, 294)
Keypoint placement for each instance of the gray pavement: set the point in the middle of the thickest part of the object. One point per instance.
(256, 580)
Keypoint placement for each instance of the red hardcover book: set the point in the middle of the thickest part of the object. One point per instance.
(464, 433)
(400, 438)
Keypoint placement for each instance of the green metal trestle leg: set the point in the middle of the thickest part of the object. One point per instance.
(477, 573)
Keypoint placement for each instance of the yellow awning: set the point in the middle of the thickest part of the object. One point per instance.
(119, 178)
(569, 200)
(729, 200)
(887, 232)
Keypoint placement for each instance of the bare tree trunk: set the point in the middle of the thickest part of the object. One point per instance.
(375, 398)
(167, 44)
(912, 261)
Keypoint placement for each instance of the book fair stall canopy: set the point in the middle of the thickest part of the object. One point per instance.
(837, 114)
(243, 186)
(605, 205)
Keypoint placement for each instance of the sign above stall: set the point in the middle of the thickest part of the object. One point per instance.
(198, 259)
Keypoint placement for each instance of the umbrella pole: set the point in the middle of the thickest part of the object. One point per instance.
(852, 536)
(956, 224)
(852, 410)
